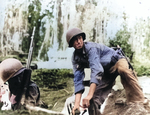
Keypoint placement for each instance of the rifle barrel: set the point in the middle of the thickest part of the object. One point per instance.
(30, 50)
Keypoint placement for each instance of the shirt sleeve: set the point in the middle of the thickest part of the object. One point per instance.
(78, 78)
(95, 65)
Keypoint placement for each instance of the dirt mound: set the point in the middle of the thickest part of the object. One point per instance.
(116, 105)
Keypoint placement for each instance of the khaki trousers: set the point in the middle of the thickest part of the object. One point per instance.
(128, 79)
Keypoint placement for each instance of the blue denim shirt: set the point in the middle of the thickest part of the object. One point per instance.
(96, 56)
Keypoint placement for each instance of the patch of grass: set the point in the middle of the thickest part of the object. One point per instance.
(56, 85)
(55, 98)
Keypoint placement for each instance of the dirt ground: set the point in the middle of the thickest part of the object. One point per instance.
(116, 105)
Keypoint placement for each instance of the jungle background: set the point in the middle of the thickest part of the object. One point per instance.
(112, 22)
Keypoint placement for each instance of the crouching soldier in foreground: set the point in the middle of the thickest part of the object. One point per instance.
(22, 89)
(105, 64)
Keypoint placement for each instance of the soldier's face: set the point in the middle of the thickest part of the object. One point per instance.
(78, 42)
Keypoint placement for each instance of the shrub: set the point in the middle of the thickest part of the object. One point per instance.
(142, 70)
(121, 39)
(51, 78)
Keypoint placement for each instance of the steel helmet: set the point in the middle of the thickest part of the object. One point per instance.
(8, 68)
(73, 33)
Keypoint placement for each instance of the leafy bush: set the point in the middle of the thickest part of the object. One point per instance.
(142, 70)
(51, 78)
(121, 39)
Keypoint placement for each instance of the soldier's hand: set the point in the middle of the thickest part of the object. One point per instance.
(75, 110)
(86, 102)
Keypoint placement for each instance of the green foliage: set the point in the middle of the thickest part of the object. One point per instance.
(142, 70)
(121, 39)
(34, 19)
(147, 44)
(59, 34)
(44, 54)
(37, 18)
(51, 78)
(60, 29)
